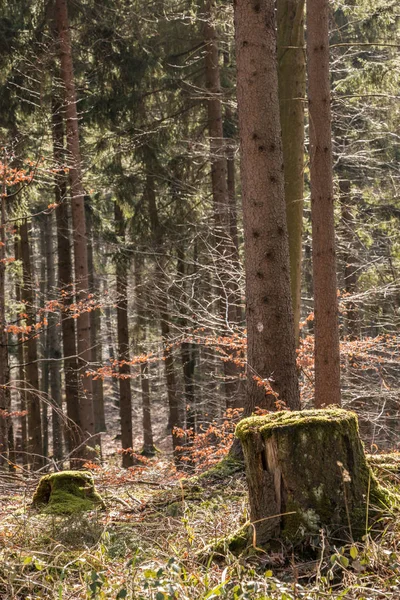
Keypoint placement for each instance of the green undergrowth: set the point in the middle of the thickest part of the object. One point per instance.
(186, 540)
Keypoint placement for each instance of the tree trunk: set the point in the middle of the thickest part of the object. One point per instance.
(292, 91)
(4, 364)
(35, 443)
(21, 387)
(271, 356)
(42, 340)
(173, 401)
(327, 354)
(95, 332)
(53, 343)
(350, 264)
(124, 370)
(65, 285)
(140, 339)
(78, 218)
(292, 496)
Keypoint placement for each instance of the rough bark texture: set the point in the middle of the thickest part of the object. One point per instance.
(327, 355)
(284, 477)
(78, 215)
(20, 384)
(65, 281)
(270, 331)
(124, 370)
(35, 445)
(292, 91)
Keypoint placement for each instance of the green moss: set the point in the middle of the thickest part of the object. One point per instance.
(284, 419)
(66, 492)
(236, 543)
(224, 468)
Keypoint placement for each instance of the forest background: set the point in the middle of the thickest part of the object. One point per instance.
(151, 340)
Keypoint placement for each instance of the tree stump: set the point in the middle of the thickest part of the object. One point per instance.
(306, 471)
(66, 492)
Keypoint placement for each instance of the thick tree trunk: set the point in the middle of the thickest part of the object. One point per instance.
(326, 327)
(140, 339)
(124, 370)
(292, 496)
(271, 357)
(292, 91)
(35, 443)
(78, 217)
(65, 285)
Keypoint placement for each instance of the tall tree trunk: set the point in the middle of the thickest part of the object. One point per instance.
(78, 217)
(35, 443)
(21, 367)
(292, 91)
(350, 264)
(42, 346)
(95, 332)
(327, 354)
(271, 356)
(53, 343)
(140, 338)
(124, 370)
(4, 364)
(65, 284)
(173, 401)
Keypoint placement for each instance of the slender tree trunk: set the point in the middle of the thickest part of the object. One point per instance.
(53, 343)
(4, 365)
(124, 370)
(173, 401)
(21, 368)
(327, 354)
(95, 333)
(43, 342)
(292, 91)
(35, 443)
(140, 338)
(271, 357)
(78, 217)
(65, 284)
(350, 264)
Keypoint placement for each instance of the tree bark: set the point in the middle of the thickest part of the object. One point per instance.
(78, 217)
(293, 497)
(4, 364)
(326, 327)
(124, 370)
(53, 343)
(292, 91)
(140, 339)
(21, 387)
(35, 443)
(65, 285)
(42, 339)
(271, 357)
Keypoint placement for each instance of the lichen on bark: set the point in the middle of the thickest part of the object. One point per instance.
(66, 492)
(307, 471)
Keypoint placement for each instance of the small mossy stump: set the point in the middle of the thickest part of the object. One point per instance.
(66, 492)
(310, 464)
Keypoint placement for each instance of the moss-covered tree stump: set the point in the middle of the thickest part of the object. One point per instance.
(66, 492)
(306, 471)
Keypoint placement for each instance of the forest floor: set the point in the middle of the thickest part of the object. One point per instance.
(153, 542)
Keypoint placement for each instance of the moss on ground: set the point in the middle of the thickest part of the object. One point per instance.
(67, 492)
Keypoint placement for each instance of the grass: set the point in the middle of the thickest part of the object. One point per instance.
(153, 542)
